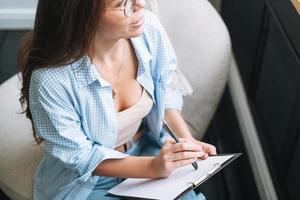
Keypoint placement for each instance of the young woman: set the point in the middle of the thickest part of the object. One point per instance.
(97, 80)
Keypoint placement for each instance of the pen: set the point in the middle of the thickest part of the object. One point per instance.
(171, 133)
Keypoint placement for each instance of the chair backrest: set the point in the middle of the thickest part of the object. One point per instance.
(202, 44)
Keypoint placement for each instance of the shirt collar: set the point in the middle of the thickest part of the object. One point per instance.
(86, 73)
(141, 50)
(83, 71)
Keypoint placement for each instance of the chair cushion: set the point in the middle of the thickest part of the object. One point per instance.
(19, 155)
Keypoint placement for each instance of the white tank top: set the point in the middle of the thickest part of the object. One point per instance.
(129, 120)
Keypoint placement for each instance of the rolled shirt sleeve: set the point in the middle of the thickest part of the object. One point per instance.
(176, 84)
(57, 122)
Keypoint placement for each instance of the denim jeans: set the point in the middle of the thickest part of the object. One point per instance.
(140, 148)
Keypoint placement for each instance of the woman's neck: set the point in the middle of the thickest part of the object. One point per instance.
(106, 50)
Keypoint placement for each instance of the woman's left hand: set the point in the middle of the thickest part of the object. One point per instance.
(208, 149)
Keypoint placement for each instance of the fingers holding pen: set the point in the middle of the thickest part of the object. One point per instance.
(186, 145)
(183, 155)
(207, 148)
(184, 162)
(187, 148)
(173, 155)
(172, 151)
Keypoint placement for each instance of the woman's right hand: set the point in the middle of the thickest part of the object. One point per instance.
(173, 155)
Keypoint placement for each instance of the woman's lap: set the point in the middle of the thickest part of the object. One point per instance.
(105, 183)
(102, 187)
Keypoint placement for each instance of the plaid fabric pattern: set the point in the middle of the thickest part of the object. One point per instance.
(73, 111)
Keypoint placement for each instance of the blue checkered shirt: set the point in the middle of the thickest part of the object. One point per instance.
(73, 111)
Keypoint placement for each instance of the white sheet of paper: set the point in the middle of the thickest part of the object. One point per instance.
(169, 188)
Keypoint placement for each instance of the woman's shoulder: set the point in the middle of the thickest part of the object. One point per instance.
(52, 77)
(151, 19)
(153, 27)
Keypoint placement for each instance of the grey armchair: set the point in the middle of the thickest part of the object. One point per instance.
(203, 47)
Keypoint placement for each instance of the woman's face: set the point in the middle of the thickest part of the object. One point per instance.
(115, 25)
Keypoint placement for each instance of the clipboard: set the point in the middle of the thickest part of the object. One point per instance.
(138, 188)
(218, 167)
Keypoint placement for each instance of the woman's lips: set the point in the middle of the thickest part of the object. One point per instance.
(138, 23)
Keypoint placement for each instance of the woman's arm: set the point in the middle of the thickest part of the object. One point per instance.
(132, 166)
(177, 123)
(172, 156)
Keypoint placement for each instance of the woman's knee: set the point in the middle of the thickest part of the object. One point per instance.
(193, 196)
(150, 150)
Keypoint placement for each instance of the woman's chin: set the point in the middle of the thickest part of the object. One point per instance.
(137, 32)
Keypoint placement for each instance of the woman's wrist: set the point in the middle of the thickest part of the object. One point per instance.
(153, 168)
(157, 170)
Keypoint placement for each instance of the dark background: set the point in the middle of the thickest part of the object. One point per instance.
(266, 45)
(9, 42)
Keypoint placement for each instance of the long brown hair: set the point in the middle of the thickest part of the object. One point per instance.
(63, 32)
